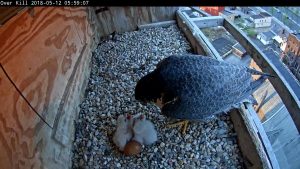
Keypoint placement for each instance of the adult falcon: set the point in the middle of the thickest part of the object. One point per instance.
(196, 87)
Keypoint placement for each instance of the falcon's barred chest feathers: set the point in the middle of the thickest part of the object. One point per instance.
(195, 87)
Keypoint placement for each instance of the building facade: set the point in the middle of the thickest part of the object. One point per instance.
(238, 50)
(293, 62)
(292, 54)
(229, 15)
(213, 10)
(266, 37)
(293, 44)
(280, 41)
(246, 10)
(261, 20)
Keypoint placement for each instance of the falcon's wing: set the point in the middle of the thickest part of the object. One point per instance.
(205, 86)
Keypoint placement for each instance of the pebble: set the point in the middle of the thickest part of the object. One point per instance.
(116, 67)
(89, 144)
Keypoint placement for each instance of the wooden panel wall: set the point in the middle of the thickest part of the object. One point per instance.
(8, 12)
(46, 52)
(123, 19)
(18, 125)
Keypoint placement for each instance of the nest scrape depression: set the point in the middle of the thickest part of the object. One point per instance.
(117, 65)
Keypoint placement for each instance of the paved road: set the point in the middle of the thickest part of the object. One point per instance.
(290, 13)
(286, 142)
(269, 51)
(292, 21)
(287, 75)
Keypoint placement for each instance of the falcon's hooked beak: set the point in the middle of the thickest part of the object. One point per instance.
(144, 103)
(159, 103)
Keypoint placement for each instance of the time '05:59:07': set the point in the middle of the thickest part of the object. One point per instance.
(76, 2)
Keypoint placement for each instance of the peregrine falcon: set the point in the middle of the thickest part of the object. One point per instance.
(196, 87)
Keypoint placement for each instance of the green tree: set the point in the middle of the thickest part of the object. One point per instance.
(272, 10)
(297, 12)
(250, 31)
(285, 18)
(286, 21)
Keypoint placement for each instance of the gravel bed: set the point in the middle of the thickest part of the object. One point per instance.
(117, 65)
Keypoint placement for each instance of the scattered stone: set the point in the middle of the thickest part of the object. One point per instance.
(118, 165)
(116, 67)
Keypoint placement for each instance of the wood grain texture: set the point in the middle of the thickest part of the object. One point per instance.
(63, 132)
(46, 53)
(45, 50)
(248, 148)
(18, 126)
(63, 124)
(8, 12)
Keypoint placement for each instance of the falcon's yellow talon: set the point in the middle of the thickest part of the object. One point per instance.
(183, 125)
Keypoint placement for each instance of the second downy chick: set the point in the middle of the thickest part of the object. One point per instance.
(144, 131)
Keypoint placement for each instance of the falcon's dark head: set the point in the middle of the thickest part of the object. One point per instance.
(148, 88)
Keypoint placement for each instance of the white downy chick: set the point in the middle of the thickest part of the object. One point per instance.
(144, 131)
(124, 131)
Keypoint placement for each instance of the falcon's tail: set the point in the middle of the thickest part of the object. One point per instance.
(257, 83)
(256, 72)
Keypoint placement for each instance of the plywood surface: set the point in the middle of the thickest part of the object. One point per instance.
(8, 12)
(18, 125)
(43, 57)
(46, 52)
